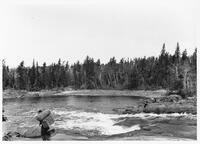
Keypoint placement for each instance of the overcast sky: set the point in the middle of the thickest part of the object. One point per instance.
(71, 30)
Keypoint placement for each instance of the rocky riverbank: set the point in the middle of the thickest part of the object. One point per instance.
(166, 104)
(164, 125)
(154, 102)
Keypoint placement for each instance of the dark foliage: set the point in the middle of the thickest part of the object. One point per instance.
(166, 71)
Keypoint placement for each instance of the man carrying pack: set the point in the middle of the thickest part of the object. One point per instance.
(44, 129)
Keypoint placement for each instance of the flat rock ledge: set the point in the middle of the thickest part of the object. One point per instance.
(167, 104)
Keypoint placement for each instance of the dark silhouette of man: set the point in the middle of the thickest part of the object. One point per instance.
(44, 129)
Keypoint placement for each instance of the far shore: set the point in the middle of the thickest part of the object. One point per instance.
(10, 93)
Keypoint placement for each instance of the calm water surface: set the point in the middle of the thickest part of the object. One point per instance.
(104, 104)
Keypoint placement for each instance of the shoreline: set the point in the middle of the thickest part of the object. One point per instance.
(156, 101)
(11, 94)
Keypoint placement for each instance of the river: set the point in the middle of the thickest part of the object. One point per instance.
(94, 118)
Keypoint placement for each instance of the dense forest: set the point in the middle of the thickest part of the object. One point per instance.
(176, 71)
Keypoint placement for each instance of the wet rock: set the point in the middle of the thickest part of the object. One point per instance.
(4, 118)
(170, 108)
(167, 104)
(146, 128)
(30, 132)
(7, 137)
(128, 110)
(155, 108)
(10, 136)
(170, 98)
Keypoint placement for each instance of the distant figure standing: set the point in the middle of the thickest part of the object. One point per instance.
(44, 129)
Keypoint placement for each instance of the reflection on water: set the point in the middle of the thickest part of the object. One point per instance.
(104, 104)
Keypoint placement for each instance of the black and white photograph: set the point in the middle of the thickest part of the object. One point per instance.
(99, 70)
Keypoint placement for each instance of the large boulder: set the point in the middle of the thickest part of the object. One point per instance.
(30, 132)
(155, 108)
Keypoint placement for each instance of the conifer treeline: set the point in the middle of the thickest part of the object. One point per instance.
(166, 71)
